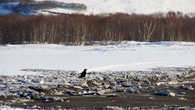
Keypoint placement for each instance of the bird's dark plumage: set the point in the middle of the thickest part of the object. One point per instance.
(83, 74)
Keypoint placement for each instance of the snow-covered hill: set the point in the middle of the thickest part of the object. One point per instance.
(122, 57)
(134, 6)
(123, 6)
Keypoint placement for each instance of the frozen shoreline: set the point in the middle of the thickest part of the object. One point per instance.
(63, 89)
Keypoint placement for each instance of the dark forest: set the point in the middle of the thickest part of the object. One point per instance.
(76, 29)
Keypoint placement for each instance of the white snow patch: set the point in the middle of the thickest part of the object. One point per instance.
(123, 57)
(10, 108)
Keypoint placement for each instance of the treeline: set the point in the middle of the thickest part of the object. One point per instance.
(76, 29)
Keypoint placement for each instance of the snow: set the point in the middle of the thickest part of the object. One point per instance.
(9, 108)
(132, 6)
(126, 56)
(122, 6)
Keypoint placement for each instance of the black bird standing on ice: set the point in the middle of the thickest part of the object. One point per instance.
(83, 74)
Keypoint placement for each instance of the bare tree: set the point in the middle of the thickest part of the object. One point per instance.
(146, 30)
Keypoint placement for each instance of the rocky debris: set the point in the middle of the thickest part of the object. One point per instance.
(165, 93)
(182, 99)
(86, 92)
(183, 86)
(70, 93)
(56, 86)
(50, 99)
(37, 89)
(111, 95)
(189, 87)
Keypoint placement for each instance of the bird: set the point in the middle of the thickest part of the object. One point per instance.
(83, 74)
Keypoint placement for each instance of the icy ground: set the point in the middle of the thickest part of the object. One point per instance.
(126, 56)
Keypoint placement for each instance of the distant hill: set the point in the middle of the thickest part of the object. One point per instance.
(28, 7)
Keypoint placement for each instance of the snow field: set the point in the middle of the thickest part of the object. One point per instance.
(127, 56)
